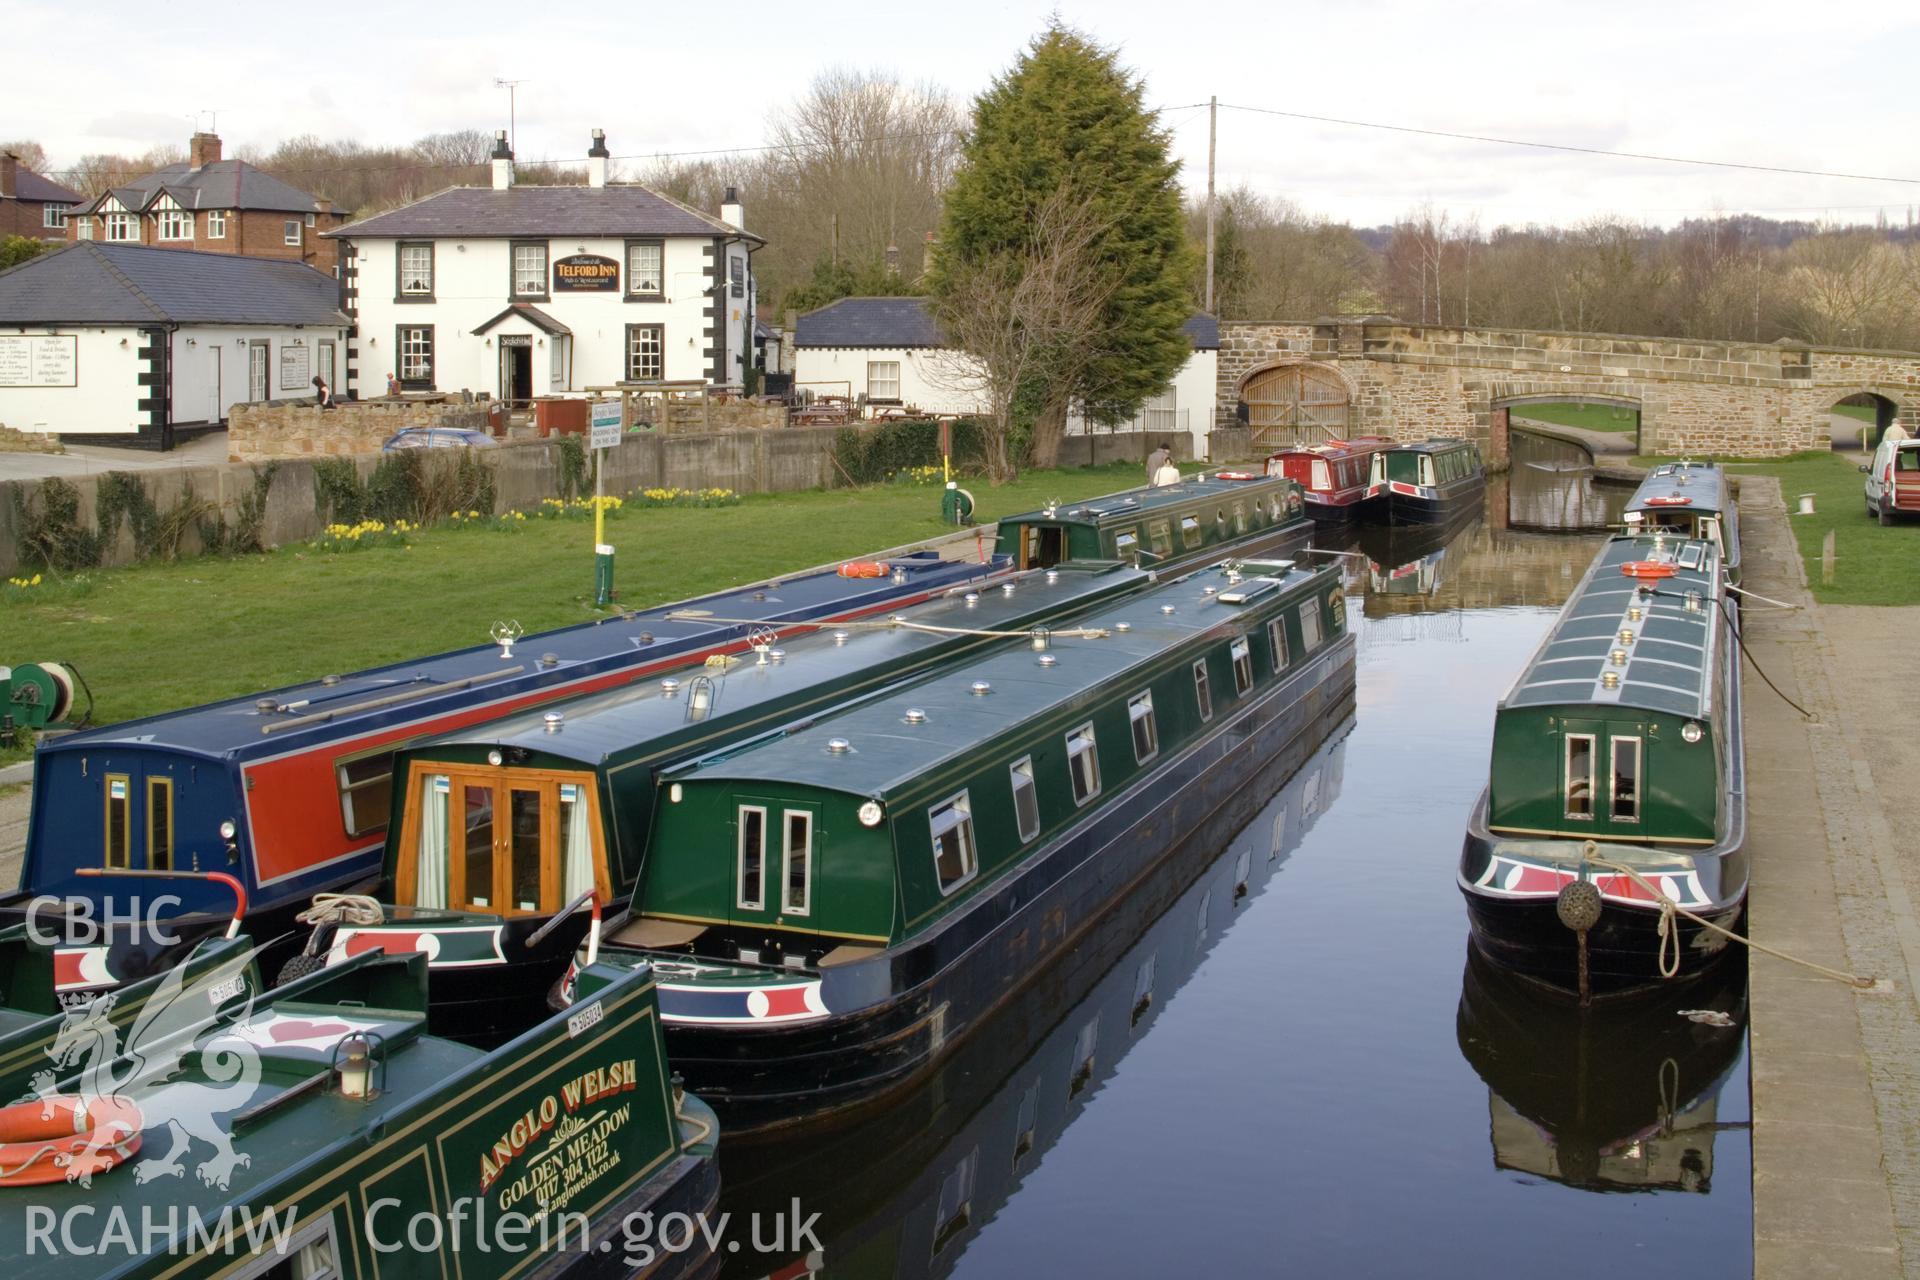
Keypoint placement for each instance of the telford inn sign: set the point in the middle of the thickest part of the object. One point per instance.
(586, 273)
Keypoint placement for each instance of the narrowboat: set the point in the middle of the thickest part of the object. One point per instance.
(855, 895)
(1163, 525)
(915, 1181)
(1336, 476)
(500, 831)
(1621, 1099)
(320, 1131)
(289, 791)
(1617, 753)
(1689, 500)
(1411, 560)
(1427, 481)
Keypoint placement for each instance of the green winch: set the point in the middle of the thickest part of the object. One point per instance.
(40, 695)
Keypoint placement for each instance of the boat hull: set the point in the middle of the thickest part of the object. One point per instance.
(1343, 507)
(688, 1186)
(1437, 505)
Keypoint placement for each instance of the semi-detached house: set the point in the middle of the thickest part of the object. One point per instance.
(522, 291)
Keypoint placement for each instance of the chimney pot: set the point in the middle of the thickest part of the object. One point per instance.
(597, 159)
(203, 149)
(731, 211)
(502, 161)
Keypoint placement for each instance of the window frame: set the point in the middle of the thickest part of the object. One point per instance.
(1277, 642)
(659, 292)
(1022, 769)
(660, 341)
(872, 396)
(84, 231)
(1566, 774)
(962, 804)
(53, 216)
(1191, 533)
(513, 271)
(1310, 609)
(1203, 690)
(1160, 538)
(740, 900)
(173, 225)
(292, 233)
(285, 1265)
(156, 785)
(342, 763)
(401, 293)
(1092, 752)
(737, 275)
(1240, 655)
(417, 383)
(216, 224)
(1613, 777)
(786, 863)
(1139, 712)
(126, 222)
(125, 860)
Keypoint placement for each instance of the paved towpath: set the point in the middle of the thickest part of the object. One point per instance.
(209, 450)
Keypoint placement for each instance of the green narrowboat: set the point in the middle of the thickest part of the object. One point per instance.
(500, 832)
(848, 899)
(1430, 481)
(1164, 525)
(319, 1131)
(1689, 500)
(1617, 754)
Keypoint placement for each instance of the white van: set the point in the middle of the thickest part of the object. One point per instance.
(1893, 477)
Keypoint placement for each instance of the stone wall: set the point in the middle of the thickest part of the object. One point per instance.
(1411, 381)
(729, 415)
(12, 441)
(299, 428)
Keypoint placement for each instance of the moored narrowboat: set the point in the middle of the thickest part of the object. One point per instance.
(1335, 476)
(1689, 500)
(500, 832)
(1164, 525)
(855, 895)
(1617, 769)
(1426, 481)
(320, 1131)
(289, 791)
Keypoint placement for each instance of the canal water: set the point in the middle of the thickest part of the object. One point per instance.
(1286, 1063)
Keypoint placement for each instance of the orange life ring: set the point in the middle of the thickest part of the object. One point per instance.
(863, 569)
(1648, 569)
(64, 1138)
(1232, 475)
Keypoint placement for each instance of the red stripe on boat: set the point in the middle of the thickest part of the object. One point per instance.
(785, 1002)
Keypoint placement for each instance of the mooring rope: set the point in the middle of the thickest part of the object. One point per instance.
(343, 908)
(1755, 595)
(858, 624)
(1670, 930)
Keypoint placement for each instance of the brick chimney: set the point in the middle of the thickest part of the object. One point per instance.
(9, 174)
(893, 259)
(322, 209)
(203, 149)
(502, 158)
(732, 212)
(597, 157)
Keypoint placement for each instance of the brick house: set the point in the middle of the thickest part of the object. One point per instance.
(214, 206)
(31, 205)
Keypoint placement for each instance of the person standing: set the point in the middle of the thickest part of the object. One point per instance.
(322, 393)
(1161, 457)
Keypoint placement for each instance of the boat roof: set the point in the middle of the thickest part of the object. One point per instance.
(1151, 498)
(888, 751)
(1432, 444)
(236, 724)
(1337, 448)
(1670, 660)
(1703, 484)
(599, 727)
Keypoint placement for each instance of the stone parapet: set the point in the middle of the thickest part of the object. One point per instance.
(258, 432)
(12, 441)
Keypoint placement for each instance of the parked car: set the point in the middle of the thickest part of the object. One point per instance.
(1893, 478)
(438, 438)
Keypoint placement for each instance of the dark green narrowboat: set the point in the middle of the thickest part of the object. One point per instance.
(1619, 744)
(1426, 481)
(851, 897)
(1164, 525)
(1689, 500)
(194, 1127)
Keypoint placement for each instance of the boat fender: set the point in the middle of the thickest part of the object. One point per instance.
(1648, 569)
(1578, 905)
(863, 569)
(66, 1137)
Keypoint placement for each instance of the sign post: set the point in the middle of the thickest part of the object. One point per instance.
(605, 434)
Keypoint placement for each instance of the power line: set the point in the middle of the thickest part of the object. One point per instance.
(1567, 146)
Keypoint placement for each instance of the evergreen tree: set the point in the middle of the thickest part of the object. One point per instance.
(1066, 124)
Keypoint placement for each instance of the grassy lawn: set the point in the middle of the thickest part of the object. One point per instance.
(156, 637)
(1588, 417)
(1858, 412)
(1872, 565)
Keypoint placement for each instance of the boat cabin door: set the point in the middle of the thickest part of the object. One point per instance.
(1042, 546)
(509, 842)
(776, 843)
(138, 827)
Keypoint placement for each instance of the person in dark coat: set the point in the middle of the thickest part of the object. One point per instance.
(1161, 457)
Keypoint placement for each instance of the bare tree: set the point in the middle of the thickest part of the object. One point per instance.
(32, 155)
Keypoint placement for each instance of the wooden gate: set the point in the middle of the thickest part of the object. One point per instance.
(1295, 404)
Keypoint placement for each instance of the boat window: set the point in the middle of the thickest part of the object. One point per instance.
(1242, 665)
(1310, 624)
(1277, 641)
(1146, 734)
(159, 824)
(1322, 477)
(1160, 535)
(954, 858)
(1203, 690)
(1625, 796)
(956, 1202)
(798, 879)
(430, 867)
(119, 820)
(523, 849)
(1426, 469)
(1239, 517)
(1083, 764)
(1690, 556)
(1024, 1122)
(1190, 535)
(1026, 800)
(1273, 508)
(752, 894)
(1084, 1046)
(309, 1254)
(1579, 775)
(1126, 543)
(476, 825)
(576, 841)
(366, 790)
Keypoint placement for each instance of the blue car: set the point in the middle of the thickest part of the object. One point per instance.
(438, 438)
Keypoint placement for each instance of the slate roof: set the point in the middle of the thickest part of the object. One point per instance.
(531, 314)
(904, 322)
(93, 283)
(28, 185)
(477, 213)
(224, 184)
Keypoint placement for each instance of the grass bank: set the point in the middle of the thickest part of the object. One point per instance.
(1588, 417)
(157, 637)
(1872, 565)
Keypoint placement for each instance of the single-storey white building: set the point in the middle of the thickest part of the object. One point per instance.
(127, 344)
(521, 291)
(889, 352)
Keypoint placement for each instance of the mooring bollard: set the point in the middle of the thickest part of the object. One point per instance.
(1806, 504)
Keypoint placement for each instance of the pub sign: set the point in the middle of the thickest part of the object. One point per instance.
(586, 273)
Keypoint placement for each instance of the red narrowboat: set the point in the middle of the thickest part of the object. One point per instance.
(1335, 474)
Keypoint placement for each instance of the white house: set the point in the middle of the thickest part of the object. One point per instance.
(523, 291)
(890, 352)
(129, 344)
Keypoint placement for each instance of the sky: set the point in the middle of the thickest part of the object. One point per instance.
(1789, 85)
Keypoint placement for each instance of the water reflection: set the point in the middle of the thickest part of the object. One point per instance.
(910, 1188)
(1605, 1099)
(1552, 485)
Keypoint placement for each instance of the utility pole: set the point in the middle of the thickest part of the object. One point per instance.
(513, 139)
(1213, 123)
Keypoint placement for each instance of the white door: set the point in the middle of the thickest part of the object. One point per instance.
(324, 357)
(257, 372)
(215, 407)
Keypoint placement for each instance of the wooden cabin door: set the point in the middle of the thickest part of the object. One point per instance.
(516, 843)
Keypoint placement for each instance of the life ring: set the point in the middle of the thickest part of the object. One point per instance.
(1670, 500)
(1648, 569)
(1233, 475)
(65, 1138)
(863, 569)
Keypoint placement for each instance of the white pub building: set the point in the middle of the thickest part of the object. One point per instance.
(524, 291)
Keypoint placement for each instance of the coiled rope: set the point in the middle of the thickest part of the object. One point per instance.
(343, 908)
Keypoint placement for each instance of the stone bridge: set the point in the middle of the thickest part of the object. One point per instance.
(1376, 374)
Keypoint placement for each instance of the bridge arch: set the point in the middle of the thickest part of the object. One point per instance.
(1886, 404)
